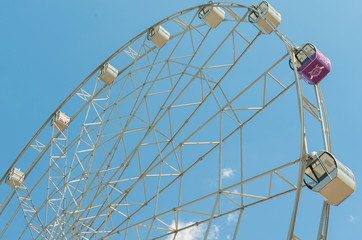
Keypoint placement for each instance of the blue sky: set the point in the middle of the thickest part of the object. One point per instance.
(48, 47)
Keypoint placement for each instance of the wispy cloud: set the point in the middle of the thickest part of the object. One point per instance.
(352, 219)
(194, 232)
(233, 217)
(214, 232)
(227, 173)
(235, 191)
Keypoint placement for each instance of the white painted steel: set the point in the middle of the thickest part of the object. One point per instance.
(122, 166)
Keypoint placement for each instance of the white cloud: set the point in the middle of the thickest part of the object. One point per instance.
(194, 232)
(352, 218)
(233, 217)
(235, 191)
(227, 173)
(228, 237)
(214, 233)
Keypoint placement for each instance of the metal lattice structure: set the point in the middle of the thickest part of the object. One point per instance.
(162, 152)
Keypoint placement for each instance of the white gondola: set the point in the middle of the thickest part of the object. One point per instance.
(265, 11)
(212, 15)
(60, 121)
(14, 178)
(329, 178)
(108, 73)
(158, 36)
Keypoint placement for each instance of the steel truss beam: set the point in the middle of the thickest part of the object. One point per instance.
(99, 180)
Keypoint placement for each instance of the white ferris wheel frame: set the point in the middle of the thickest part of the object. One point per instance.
(61, 222)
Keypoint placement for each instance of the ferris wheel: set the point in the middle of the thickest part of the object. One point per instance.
(181, 134)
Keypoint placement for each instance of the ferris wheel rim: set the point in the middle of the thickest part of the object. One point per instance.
(107, 60)
(48, 120)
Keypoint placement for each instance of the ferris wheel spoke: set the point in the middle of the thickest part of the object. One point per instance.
(236, 197)
(126, 125)
(63, 190)
(161, 151)
(42, 150)
(34, 223)
(202, 157)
